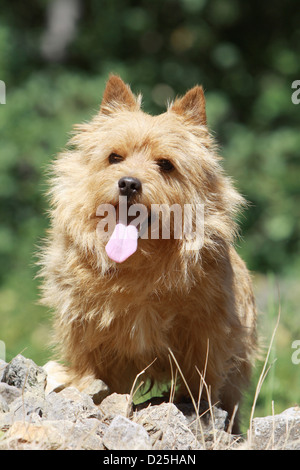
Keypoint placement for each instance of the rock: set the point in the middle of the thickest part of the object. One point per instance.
(3, 406)
(123, 434)
(9, 393)
(27, 407)
(86, 434)
(153, 430)
(58, 379)
(280, 431)
(173, 425)
(213, 418)
(25, 374)
(69, 419)
(60, 434)
(75, 396)
(116, 404)
(97, 390)
(70, 404)
(37, 435)
(208, 425)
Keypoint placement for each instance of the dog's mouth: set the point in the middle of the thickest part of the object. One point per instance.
(132, 220)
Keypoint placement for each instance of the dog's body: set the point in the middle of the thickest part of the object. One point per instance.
(113, 319)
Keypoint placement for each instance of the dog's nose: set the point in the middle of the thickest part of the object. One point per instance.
(129, 186)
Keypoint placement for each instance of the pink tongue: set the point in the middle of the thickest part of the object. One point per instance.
(122, 243)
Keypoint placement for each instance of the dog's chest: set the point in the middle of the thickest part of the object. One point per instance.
(139, 338)
(147, 331)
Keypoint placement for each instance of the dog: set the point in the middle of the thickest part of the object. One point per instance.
(125, 301)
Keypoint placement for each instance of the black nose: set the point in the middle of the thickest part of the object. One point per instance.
(129, 186)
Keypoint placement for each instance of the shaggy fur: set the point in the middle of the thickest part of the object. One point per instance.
(112, 320)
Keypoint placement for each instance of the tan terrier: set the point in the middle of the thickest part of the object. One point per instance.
(125, 295)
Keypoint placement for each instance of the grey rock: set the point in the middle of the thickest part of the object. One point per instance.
(70, 404)
(211, 417)
(25, 374)
(4, 408)
(208, 425)
(9, 393)
(61, 435)
(85, 434)
(123, 434)
(28, 407)
(116, 404)
(88, 434)
(75, 396)
(280, 431)
(215, 418)
(70, 419)
(97, 390)
(173, 425)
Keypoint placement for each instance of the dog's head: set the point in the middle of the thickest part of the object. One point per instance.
(130, 176)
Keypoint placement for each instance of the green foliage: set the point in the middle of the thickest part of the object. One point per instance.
(280, 388)
(246, 55)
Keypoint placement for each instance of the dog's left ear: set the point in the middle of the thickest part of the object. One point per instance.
(117, 95)
(192, 106)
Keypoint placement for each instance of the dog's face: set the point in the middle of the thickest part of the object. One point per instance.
(147, 160)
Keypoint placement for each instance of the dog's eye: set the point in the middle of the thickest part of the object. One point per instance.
(115, 158)
(165, 165)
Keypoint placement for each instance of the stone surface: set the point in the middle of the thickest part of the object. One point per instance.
(85, 434)
(70, 419)
(123, 434)
(70, 404)
(116, 404)
(97, 390)
(208, 425)
(281, 431)
(9, 393)
(27, 407)
(57, 380)
(23, 373)
(3, 406)
(173, 425)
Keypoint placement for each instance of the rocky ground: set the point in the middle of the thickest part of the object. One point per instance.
(36, 412)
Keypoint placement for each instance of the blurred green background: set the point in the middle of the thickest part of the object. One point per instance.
(55, 57)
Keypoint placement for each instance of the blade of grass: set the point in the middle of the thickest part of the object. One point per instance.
(262, 377)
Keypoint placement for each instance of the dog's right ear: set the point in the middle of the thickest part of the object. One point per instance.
(117, 96)
(192, 106)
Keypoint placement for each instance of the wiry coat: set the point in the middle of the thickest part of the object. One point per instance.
(112, 320)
